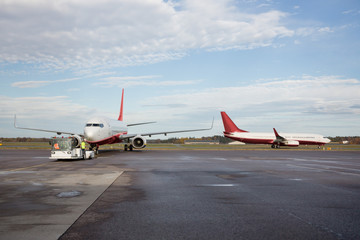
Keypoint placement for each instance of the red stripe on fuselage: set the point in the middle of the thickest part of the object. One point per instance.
(253, 141)
(109, 140)
(270, 141)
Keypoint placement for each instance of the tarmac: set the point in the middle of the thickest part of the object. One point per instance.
(152, 194)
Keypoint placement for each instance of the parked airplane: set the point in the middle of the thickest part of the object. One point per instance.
(276, 140)
(98, 131)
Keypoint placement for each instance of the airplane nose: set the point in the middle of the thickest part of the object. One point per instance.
(327, 140)
(89, 135)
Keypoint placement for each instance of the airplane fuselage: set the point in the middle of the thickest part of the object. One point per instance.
(99, 130)
(275, 139)
(269, 138)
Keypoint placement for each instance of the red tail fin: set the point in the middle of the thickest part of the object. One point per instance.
(276, 133)
(229, 125)
(121, 106)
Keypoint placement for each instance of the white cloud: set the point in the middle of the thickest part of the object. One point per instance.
(66, 34)
(322, 95)
(49, 108)
(319, 104)
(308, 104)
(131, 81)
(352, 12)
(56, 113)
(36, 84)
(305, 31)
(325, 30)
(313, 31)
(122, 82)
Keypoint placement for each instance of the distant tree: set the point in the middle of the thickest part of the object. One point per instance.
(350, 139)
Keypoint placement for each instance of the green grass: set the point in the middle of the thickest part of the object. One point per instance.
(221, 147)
(25, 145)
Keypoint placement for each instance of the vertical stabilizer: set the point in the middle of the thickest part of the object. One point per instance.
(276, 133)
(229, 125)
(121, 106)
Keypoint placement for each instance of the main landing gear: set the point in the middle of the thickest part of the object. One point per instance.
(128, 147)
(275, 146)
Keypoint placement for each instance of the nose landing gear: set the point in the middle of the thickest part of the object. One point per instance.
(96, 147)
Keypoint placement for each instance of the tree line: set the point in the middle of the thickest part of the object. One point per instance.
(350, 140)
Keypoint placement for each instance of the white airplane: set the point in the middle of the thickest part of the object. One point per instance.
(276, 140)
(98, 131)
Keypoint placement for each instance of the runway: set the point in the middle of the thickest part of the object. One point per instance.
(154, 194)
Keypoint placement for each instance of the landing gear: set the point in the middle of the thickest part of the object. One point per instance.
(130, 147)
(96, 148)
(275, 146)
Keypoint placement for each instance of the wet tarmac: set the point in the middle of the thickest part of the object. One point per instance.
(154, 194)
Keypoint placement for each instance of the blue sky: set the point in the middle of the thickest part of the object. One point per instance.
(292, 65)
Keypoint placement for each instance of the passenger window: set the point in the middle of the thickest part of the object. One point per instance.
(101, 125)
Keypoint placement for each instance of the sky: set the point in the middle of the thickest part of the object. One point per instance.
(289, 65)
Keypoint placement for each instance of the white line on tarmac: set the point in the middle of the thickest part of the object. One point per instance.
(328, 169)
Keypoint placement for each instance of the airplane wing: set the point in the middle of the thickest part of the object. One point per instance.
(45, 130)
(135, 124)
(127, 136)
(283, 141)
(130, 125)
(279, 138)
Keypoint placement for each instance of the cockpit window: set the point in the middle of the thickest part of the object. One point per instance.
(95, 125)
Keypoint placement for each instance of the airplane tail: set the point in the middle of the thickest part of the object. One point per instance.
(121, 106)
(276, 133)
(121, 118)
(229, 125)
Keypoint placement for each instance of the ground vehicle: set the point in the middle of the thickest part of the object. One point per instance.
(68, 148)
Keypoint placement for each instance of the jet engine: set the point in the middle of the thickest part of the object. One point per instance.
(291, 143)
(77, 140)
(138, 142)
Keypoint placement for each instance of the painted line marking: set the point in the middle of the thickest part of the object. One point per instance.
(217, 185)
(327, 169)
(19, 169)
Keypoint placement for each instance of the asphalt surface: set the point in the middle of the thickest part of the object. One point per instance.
(41, 198)
(273, 194)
